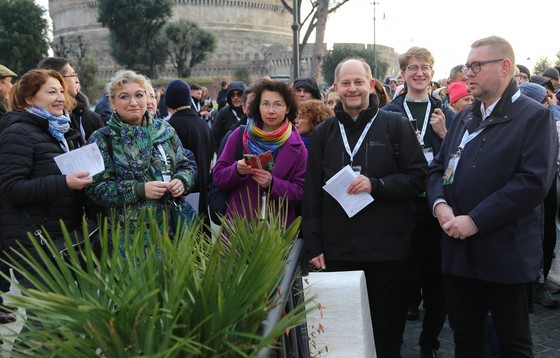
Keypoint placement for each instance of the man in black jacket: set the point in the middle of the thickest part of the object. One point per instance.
(383, 148)
(227, 117)
(82, 118)
(194, 134)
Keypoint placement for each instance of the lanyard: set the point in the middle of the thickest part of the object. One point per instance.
(196, 105)
(426, 120)
(360, 140)
(468, 137)
(235, 114)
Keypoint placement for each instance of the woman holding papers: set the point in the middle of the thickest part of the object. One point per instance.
(33, 191)
(272, 169)
(145, 164)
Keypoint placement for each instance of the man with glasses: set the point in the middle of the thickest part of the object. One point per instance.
(82, 118)
(486, 188)
(430, 119)
(228, 117)
(382, 150)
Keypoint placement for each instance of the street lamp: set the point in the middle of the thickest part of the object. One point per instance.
(374, 43)
(295, 50)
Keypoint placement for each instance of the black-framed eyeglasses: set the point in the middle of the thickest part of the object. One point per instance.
(75, 75)
(476, 67)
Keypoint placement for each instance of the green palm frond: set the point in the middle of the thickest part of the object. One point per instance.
(180, 297)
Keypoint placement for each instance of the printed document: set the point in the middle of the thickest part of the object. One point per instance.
(84, 159)
(337, 187)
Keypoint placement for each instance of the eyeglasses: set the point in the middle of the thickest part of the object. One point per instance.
(277, 106)
(75, 75)
(126, 98)
(476, 67)
(522, 76)
(424, 68)
(236, 94)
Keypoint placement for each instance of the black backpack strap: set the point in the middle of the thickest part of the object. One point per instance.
(395, 134)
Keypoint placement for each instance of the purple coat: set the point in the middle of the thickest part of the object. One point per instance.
(287, 183)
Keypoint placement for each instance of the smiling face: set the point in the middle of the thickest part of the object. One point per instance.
(50, 97)
(273, 110)
(130, 102)
(418, 77)
(353, 86)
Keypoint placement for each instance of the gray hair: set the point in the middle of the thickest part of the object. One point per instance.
(125, 76)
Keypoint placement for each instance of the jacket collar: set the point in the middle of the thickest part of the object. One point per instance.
(474, 115)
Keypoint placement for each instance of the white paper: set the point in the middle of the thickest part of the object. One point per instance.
(337, 187)
(84, 159)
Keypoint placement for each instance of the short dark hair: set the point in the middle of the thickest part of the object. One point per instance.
(53, 63)
(195, 86)
(284, 89)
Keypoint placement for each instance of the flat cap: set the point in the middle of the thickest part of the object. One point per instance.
(6, 72)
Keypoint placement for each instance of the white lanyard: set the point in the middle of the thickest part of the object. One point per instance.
(426, 120)
(166, 173)
(235, 114)
(196, 105)
(360, 140)
(468, 137)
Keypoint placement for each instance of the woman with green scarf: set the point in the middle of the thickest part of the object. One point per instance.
(145, 164)
(269, 132)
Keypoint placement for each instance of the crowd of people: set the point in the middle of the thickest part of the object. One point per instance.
(462, 173)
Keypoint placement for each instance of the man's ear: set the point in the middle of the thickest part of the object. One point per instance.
(372, 86)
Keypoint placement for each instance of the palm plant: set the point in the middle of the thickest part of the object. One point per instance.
(182, 297)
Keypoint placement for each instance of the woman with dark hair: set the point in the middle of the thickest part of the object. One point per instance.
(269, 129)
(35, 131)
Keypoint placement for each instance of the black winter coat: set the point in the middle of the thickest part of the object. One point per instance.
(195, 135)
(30, 179)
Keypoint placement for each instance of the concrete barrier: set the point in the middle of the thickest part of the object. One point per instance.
(341, 326)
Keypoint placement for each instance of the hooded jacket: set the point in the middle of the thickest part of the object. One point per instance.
(229, 116)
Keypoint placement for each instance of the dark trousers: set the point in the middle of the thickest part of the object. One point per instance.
(387, 301)
(424, 267)
(468, 303)
(549, 235)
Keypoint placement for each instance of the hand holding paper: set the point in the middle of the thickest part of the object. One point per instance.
(85, 159)
(337, 187)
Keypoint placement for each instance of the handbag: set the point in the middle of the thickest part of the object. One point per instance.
(77, 238)
(179, 212)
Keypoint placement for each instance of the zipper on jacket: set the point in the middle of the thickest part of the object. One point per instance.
(479, 150)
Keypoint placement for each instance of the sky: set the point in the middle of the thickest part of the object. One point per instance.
(447, 28)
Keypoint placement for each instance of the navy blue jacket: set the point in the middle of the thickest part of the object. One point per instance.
(500, 182)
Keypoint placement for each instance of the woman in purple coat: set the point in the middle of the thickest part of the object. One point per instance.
(269, 130)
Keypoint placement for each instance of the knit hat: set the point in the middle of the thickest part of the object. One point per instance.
(551, 73)
(177, 94)
(309, 84)
(524, 70)
(533, 90)
(6, 72)
(456, 91)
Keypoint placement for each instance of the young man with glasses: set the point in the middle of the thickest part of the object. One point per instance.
(430, 118)
(228, 117)
(82, 118)
(486, 188)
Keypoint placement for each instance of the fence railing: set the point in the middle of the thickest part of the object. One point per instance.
(295, 344)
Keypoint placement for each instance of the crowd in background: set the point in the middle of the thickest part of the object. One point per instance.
(430, 227)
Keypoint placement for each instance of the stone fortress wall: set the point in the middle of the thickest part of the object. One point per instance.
(255, 34)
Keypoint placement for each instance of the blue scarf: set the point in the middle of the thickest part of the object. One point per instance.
(58, 125)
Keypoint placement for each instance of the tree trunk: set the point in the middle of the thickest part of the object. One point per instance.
(318, 48)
